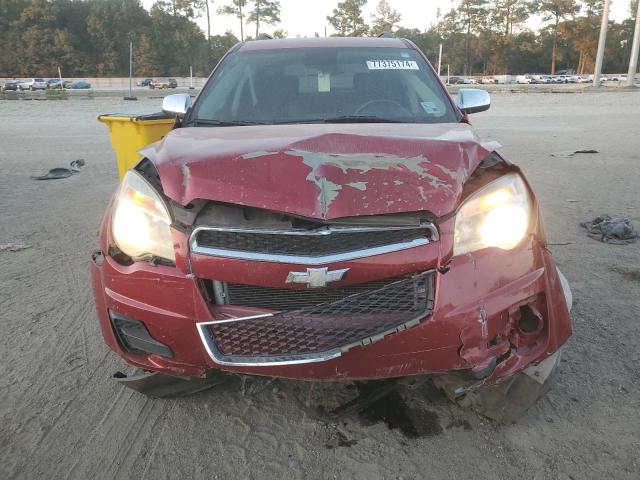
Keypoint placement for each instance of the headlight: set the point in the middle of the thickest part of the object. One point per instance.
(140, 222)
(497, 215)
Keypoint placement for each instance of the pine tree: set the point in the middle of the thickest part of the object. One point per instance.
(264, 11)
(556, 11)
(235, 9)
(386, 19)
(347, 18)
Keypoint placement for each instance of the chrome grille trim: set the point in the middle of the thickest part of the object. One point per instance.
(315, 259)
(305, 358)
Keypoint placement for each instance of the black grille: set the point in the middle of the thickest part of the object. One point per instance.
(354, 320)
(306, 244)
(285, 299)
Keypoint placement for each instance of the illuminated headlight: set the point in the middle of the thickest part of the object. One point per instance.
(497, 215)
(141, 221)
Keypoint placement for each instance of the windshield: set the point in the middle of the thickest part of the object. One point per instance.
(308, 85)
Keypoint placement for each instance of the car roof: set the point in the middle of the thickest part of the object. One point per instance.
(316, 42)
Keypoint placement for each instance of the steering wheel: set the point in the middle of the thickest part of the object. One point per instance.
(393, 103)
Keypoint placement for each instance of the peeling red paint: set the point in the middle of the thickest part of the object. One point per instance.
(310, 170)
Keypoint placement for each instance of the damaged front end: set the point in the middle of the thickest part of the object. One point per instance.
(304, 258)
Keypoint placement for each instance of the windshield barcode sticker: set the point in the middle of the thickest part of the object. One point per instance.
(392, 65)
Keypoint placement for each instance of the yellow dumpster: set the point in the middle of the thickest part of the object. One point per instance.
(129, 133)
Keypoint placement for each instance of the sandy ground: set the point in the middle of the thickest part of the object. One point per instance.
(61, 416)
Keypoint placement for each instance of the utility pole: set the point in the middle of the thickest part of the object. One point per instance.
(241, 21)
(440, 60)
(635, 51)
(130, 97)
(601, 43)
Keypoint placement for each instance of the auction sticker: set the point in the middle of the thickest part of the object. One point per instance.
(392, 65)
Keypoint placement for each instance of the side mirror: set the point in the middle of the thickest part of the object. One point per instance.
(473, 100)
(177, 104)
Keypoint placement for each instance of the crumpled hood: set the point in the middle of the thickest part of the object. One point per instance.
(321, 171)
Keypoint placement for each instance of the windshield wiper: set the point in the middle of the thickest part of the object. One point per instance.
(221, 123)
(363, 119)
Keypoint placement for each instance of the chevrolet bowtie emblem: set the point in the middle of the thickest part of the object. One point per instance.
(316, 277)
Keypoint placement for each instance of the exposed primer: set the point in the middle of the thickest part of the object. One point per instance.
(450, 173)
(186, 175)
(258, 154)
(362, 186)
(362, 163)
(328, 193)
(397, 183)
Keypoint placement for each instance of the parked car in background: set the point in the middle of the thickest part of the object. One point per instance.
(11, 85)
(33, 84)
(54, 83)
(470, 81)
(78, 85)
(455, 80)
(524, 79)
(163, 84)
(540, 79)
(488, 81)
(145, 83)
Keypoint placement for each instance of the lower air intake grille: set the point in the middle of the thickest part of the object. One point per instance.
(323, 331)
(286, 299)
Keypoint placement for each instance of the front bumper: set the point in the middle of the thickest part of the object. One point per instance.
(479, 299)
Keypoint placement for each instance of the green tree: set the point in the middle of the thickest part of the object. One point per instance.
(220, 44)
(556, 11)
(144, 62)
(112, 24)
(235, 9)
(11, 11)
(385, 20)
(504, 18)
(264, 11)
(347, 18)
(41, 45)
(471, 14)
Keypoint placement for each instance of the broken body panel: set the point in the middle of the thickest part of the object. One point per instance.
(325, 173)
(489, 315)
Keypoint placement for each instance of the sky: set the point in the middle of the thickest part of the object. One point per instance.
(304, 18)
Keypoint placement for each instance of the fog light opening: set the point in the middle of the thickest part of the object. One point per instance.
(530, 321)
(134, 337)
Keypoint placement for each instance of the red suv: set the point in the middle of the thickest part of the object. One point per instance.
(324, 211)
